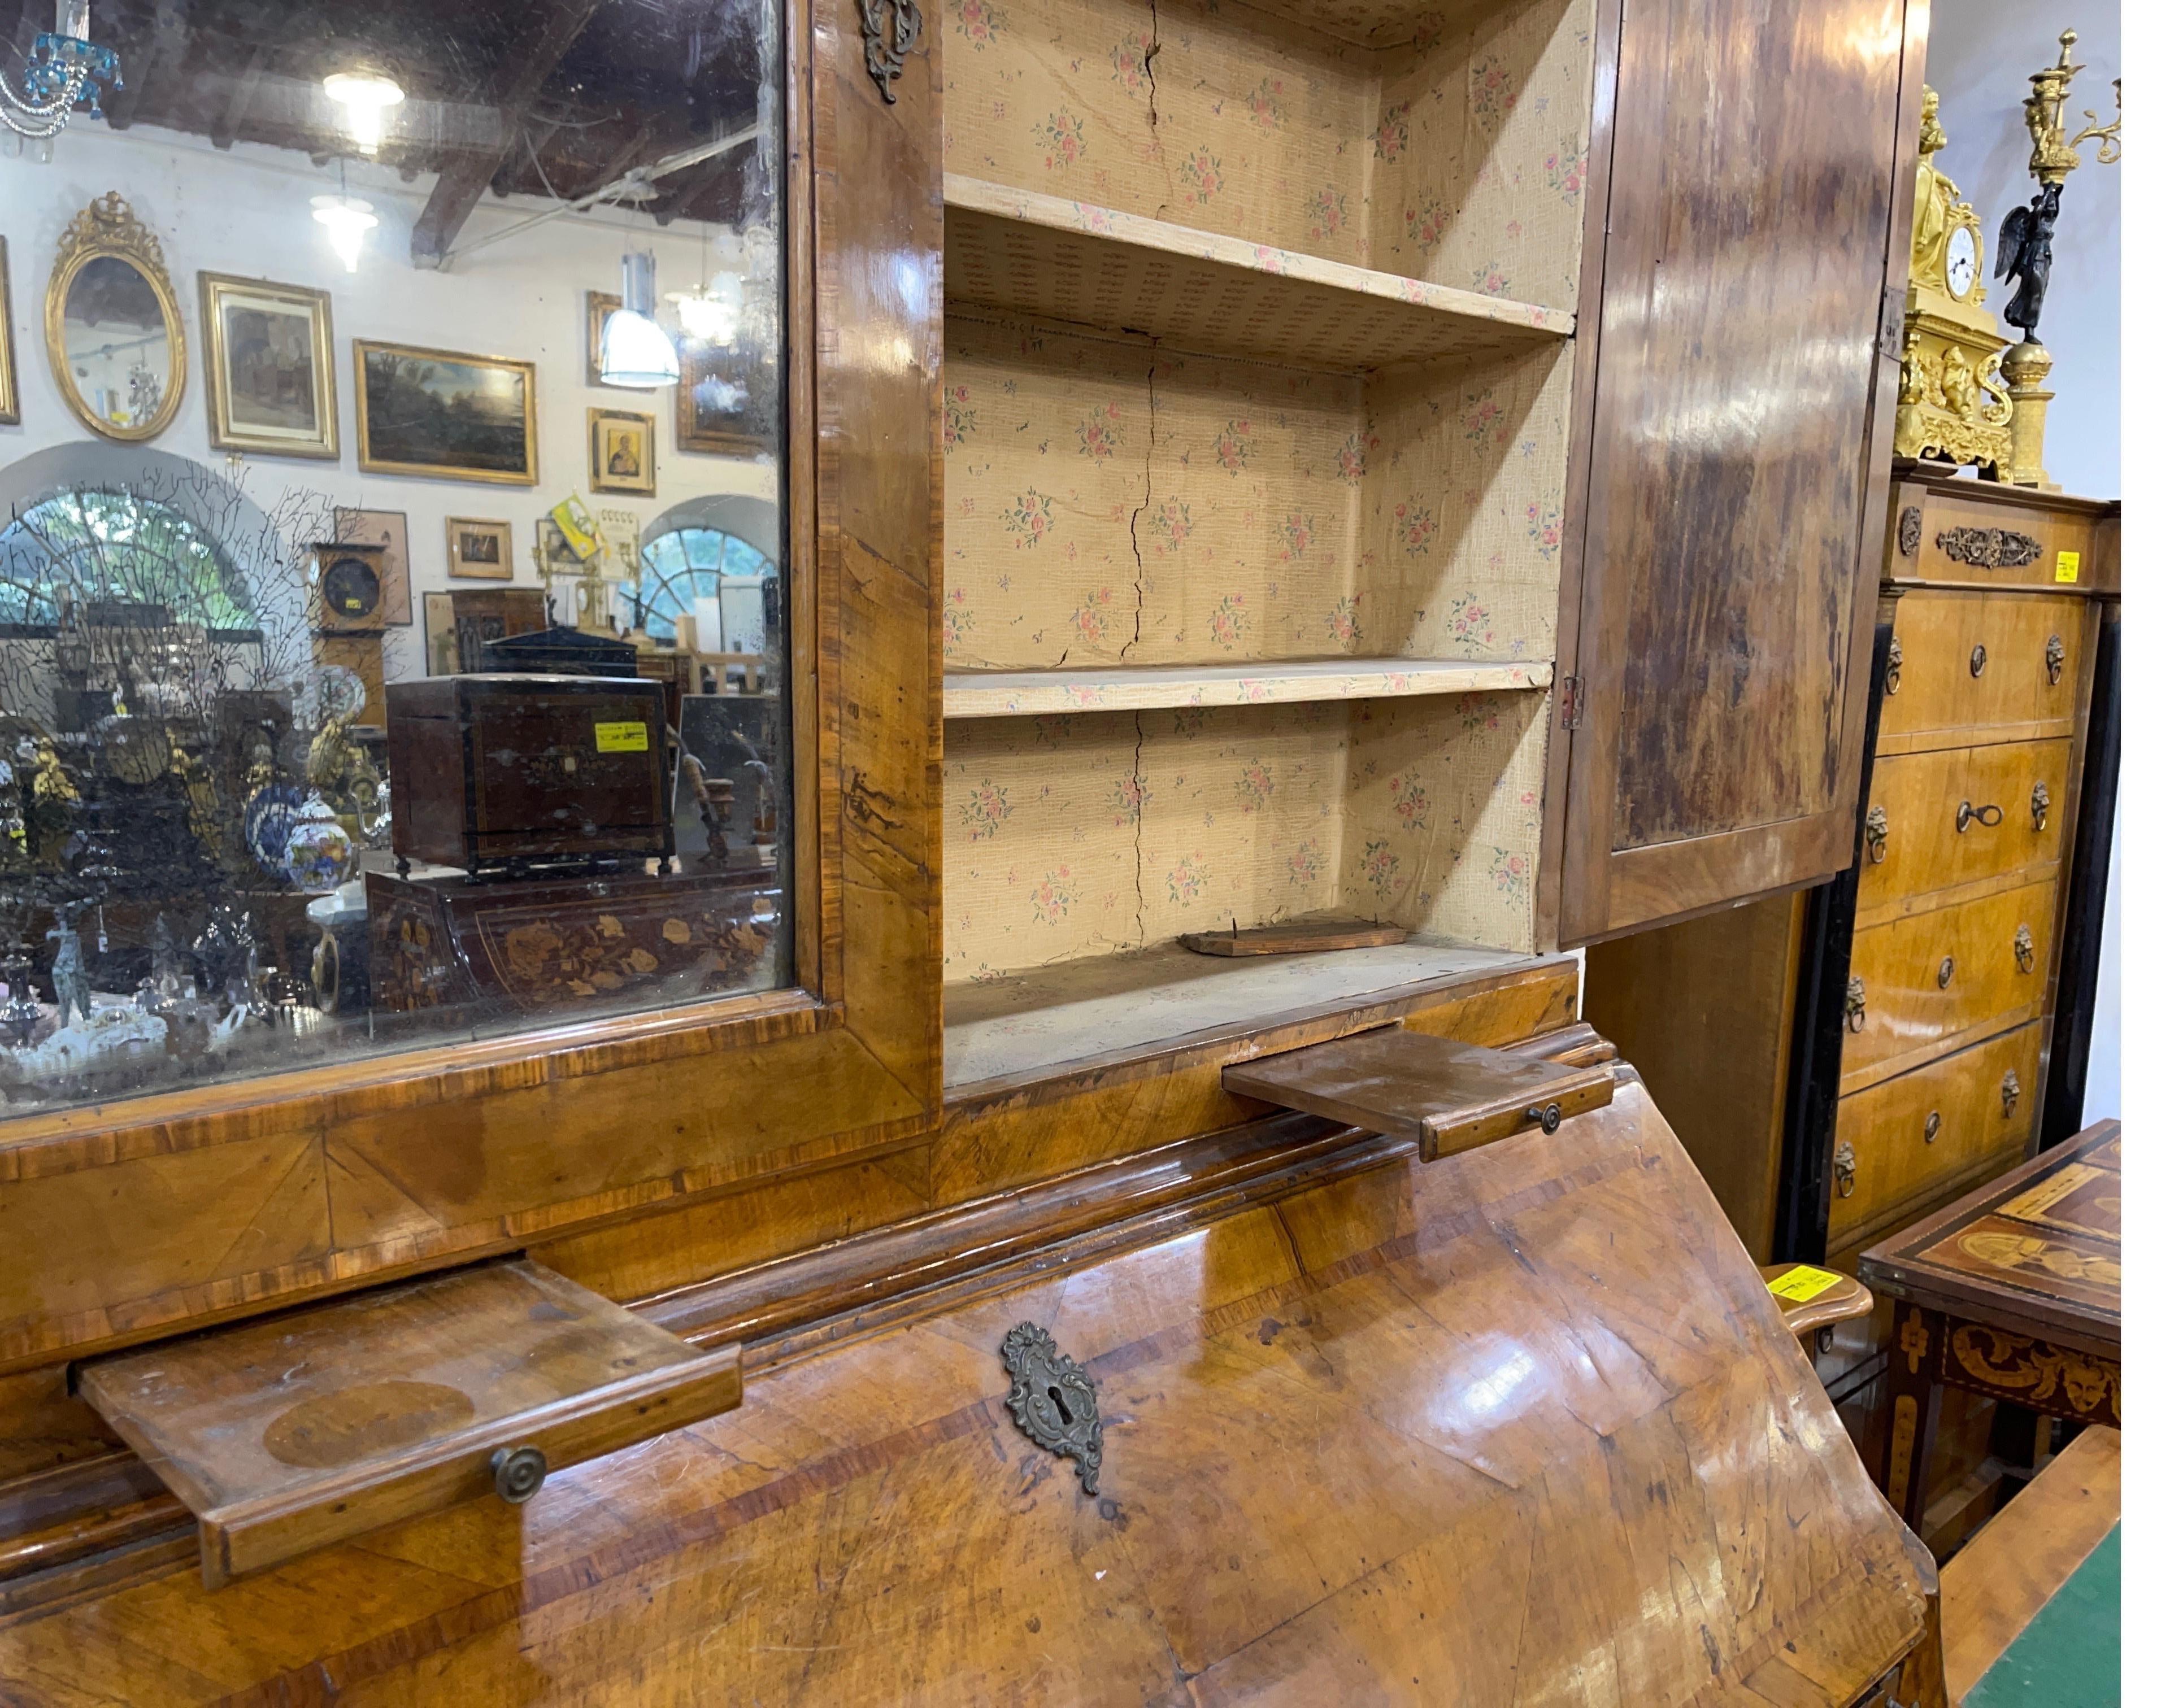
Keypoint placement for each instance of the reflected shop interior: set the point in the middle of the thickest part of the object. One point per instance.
(391, 568)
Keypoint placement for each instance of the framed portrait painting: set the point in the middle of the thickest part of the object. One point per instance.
(267, 361)
(444, 415)
(11, 401)
(621, 452)
(479, 550)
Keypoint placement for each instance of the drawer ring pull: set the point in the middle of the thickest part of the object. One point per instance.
(2009, 1090)
(1843, 1168)
(1932, 1126)
(1946, 967)
(1978, 660)
(1857, 1003)
(2053, 655)
(518, 1472)
(1876, 828)
(1547, 1116)
(2022, 949)
(1891, 667)
(2038, 803)
(1969, 813)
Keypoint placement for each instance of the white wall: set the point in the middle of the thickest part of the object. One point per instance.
(247, 212)
(1980, 53)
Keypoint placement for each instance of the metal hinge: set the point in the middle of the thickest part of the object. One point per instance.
(1891, 322)
(1570, 699)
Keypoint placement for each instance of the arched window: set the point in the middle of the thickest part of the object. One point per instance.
(711, 575)
(92, 546)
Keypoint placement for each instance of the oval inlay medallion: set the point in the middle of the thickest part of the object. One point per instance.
(337, 1429)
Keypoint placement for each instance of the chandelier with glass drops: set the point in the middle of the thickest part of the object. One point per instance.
(65, 67)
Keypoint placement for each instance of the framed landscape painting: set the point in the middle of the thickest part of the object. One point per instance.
(268, 360)
(447, 416)
(726, 401)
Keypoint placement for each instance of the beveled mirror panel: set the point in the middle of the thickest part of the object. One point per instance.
(113, 327)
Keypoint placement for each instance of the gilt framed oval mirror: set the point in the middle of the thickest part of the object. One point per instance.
(113, 325)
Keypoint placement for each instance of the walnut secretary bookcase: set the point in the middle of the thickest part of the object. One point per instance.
(1394, 461)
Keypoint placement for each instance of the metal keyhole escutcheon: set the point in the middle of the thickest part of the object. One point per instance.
(1969, 813)
(1932, 1126)
(1053, 1399)
(1978, 661)
(1945, 968)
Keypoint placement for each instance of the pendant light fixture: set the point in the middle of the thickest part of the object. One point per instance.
(365, 97)
(347, 219)
(637, 351)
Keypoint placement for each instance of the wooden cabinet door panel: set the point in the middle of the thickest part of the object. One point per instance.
(1915, 845)
(1931, 977)
(1738, 449)
(1975, 665)
(1916, 1134)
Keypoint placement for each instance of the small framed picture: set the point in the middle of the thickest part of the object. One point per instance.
(479, 550)
(621, 452)
(553, 550)
(11, 405)
(388, 530)
(441, 636)
(448, 416)
(724, 402)
(268, 360)
(601, 305)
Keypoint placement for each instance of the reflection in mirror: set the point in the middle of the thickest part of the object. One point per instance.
(472, 719)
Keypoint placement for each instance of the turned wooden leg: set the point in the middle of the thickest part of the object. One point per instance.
(1915, 1393)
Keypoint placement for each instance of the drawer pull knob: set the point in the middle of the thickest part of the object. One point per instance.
(1857, 1003)
(1978, 660)
(1547, 1116)
(1878, 827)
(2009, 1091)
(1969, 813)
(2022, 949)
(518, 1472)
(1932, 1127)
(1946, 967)
(2054, 655)
(2038, 803)
(1891, 667)
(1843, 1168)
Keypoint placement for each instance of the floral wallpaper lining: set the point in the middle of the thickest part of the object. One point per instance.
(1451, 150)
(1087, 834)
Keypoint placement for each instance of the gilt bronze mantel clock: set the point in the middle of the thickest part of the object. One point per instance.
(1953, 404)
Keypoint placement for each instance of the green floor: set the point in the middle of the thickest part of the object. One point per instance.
(2068, 1656)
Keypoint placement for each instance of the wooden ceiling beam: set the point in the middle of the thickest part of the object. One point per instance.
(462, 181)
(168, 45)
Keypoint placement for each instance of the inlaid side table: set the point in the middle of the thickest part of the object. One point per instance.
(2011, 1292)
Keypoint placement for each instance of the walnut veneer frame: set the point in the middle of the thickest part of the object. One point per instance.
(139, 1218)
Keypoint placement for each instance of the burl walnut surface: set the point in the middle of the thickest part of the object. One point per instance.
(1522, 1425)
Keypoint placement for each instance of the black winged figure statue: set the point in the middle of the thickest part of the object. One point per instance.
(2022, 253)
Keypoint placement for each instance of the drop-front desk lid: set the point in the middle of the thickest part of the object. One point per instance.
(1522, 1425)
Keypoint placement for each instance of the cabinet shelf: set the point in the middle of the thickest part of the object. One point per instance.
(973, 694)
(1039, 256)
(1101, 1008)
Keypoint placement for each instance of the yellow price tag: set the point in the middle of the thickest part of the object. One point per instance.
(621, 738)
(1805, 1282)
(2068, 566)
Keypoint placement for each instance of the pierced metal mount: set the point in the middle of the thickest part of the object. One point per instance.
(891, 29)
(1053, 1399)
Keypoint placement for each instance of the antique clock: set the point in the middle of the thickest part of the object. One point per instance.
(1952, 403)
(350, 588)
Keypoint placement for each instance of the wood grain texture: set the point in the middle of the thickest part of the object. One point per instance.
(1704, 1009)
(1936, 981)
(284, 1435)
(1925, 851)
(1902, 1157)
(1446, 1096)
(1726, 603)
(2013, 1567)
(1943, 700)
(1279, 1394)
(1035, 693)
